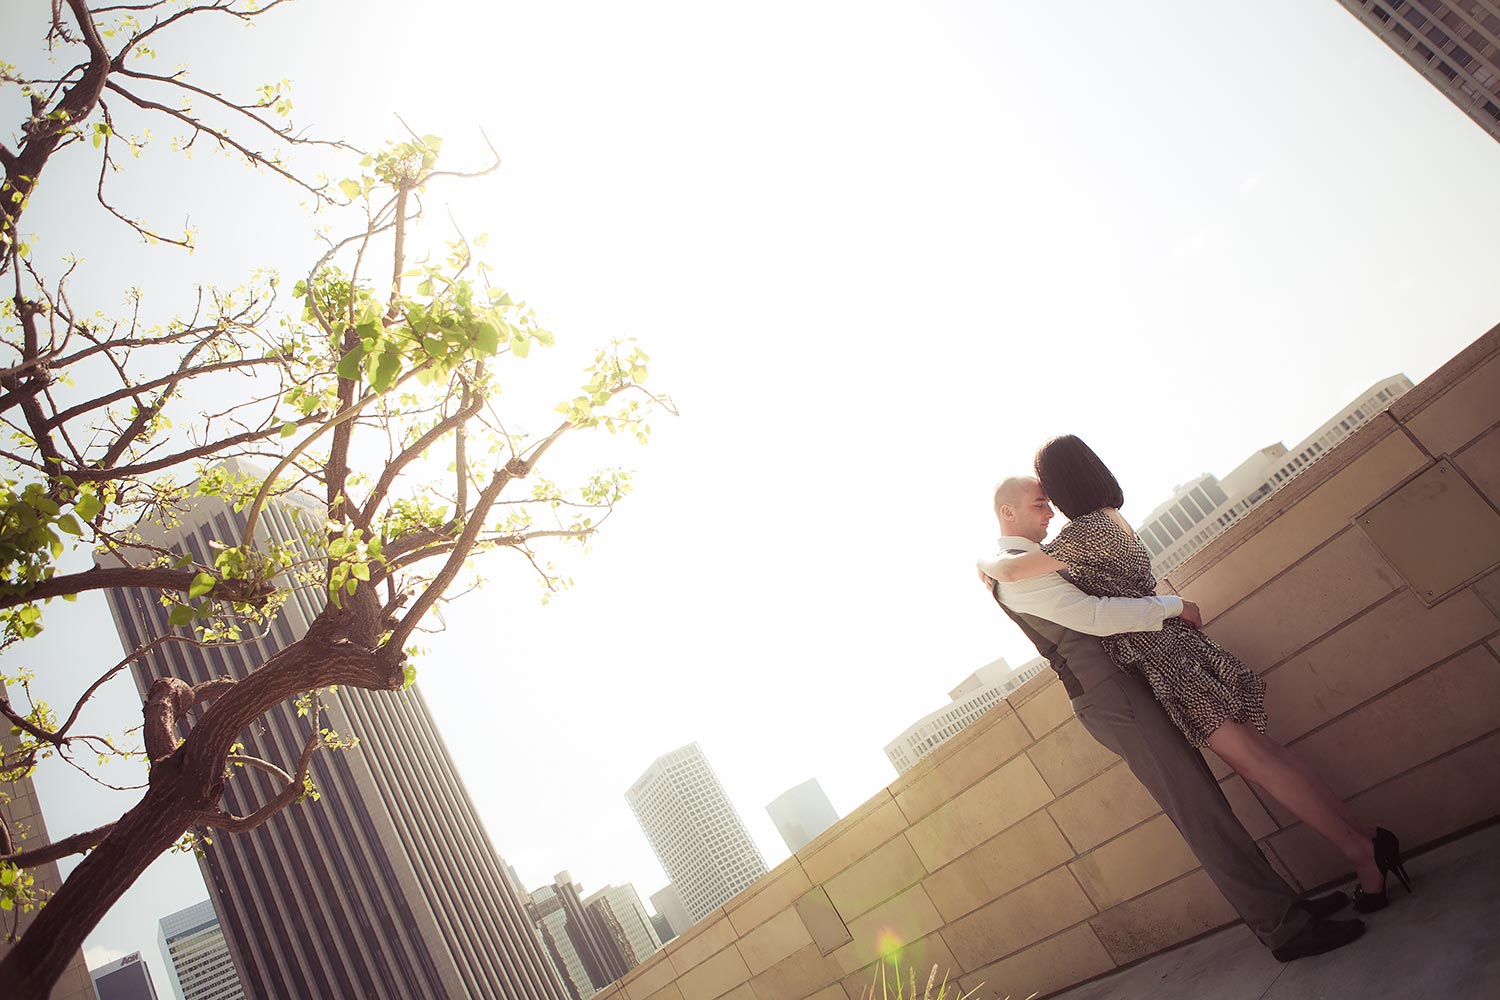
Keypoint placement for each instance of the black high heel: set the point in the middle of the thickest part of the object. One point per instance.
(1388, 858)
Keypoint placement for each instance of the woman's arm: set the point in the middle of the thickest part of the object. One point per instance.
(1009, 567)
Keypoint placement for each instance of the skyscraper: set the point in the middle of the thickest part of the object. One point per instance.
(551, 919)
(620, 909)
(668, 903)
(698, 837)
(801, 813)
(124, 979)
(22, 813)
(1455, 44)
(389, 886)
(198, 960)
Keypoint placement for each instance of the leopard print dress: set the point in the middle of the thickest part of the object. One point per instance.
(1199, 683)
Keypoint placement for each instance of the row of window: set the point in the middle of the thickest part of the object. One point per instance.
(1449, 53)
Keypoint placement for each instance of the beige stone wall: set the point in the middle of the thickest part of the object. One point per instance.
(1023, 855)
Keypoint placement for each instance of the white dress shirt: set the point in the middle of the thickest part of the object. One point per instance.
(1056, 600)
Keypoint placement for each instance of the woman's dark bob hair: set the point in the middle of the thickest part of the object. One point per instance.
(1075, 479)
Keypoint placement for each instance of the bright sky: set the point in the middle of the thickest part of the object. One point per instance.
(879, 253)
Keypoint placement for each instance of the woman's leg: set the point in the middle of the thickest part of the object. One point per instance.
(1293, 782)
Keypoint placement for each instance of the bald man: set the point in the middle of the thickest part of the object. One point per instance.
(1117, 708)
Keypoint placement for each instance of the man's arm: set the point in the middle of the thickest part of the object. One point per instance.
(1057, 600)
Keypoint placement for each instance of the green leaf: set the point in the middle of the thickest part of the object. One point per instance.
(351, 585)
(432, 142)
(521, 345)
(88, 506)
(182, 614)
(486, 338)
(69, 523)
(360, 571)
(386, 371)
(348, 366)
(288, 429)
(350, 188)
(202, 584)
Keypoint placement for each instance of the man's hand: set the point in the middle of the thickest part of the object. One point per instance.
(1191, 614)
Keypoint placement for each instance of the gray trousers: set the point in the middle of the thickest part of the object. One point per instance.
(1121, 713)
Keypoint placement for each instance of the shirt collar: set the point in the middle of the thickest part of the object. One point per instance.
(1012, 542)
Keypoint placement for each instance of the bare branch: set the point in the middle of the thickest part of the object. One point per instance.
(76, 844)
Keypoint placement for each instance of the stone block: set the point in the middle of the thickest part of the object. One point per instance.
(773, 941)
(1106, 805)
(799, 974)
(1166, 916)
(1046, 967)
(711, 934)
(650, 977)
(1047, 710)
(1437, 530)
(1300, 517)
(1018, 855)
(1307, 601)
(714, 976)
(908, 917)
(821, 920)
(768, 896)
(1381, 648)
(1469, 406)
(668, 992)
(1035, 911)
(918, 958)
(1443, 796)
(975, 815)
(1488, 589)
(1431, 714)
(1480, 461)
(873, 823)
(1069, 756)
(875, 878)
(833, 992)
(1150, 855)
(1002, 739)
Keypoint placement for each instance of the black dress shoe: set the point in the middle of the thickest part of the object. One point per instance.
(1318, 937)
(1321, 907)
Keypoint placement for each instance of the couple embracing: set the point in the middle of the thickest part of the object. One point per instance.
(1147, 684)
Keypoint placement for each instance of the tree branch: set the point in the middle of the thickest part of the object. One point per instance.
(76, 844)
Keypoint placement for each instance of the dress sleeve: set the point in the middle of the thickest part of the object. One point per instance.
(1085, 543)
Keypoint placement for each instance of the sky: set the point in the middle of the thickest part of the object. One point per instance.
(878, 253)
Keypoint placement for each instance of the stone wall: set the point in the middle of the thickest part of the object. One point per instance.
(1023, 855)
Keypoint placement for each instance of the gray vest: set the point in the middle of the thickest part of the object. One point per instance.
(1079, 660)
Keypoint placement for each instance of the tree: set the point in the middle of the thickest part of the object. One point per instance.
(388, 371)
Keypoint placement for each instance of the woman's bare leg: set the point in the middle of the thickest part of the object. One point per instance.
(1293, 782)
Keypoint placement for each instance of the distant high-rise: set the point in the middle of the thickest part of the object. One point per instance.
(389, 886)
(1203, 508)
(551, 919)
(801, 813)
(22, 813)
(980, 691)
(694, 830)
(198, 960)
(124, 979)
(668, 903)
(1455, 44)
(619, 908)
(664, 931)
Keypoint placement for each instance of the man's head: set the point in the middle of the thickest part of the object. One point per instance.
(1022, 508)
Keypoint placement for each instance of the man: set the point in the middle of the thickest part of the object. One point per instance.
(1118, 709)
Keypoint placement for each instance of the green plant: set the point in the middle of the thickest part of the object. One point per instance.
(889, 986)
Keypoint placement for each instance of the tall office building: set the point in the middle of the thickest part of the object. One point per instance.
(801, 813)
(388, 887)
(980, 691)
(1455, 44)
(551, 919)
(22, 815)
(668, 904)
(124, 979)
(198, 960)
(619, 908)
(1202, 509)
(698, 837)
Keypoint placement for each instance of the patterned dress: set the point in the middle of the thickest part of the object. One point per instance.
(1199, 683)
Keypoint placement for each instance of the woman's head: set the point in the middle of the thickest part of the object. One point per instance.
(1075, 479)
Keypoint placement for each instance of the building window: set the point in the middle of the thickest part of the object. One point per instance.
(1424, 52)
(1380, 14)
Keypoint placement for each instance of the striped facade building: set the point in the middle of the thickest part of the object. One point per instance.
(1454, 44)
(388, 888)
(198, 960)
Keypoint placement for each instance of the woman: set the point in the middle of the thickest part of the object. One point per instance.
(1208, 693)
